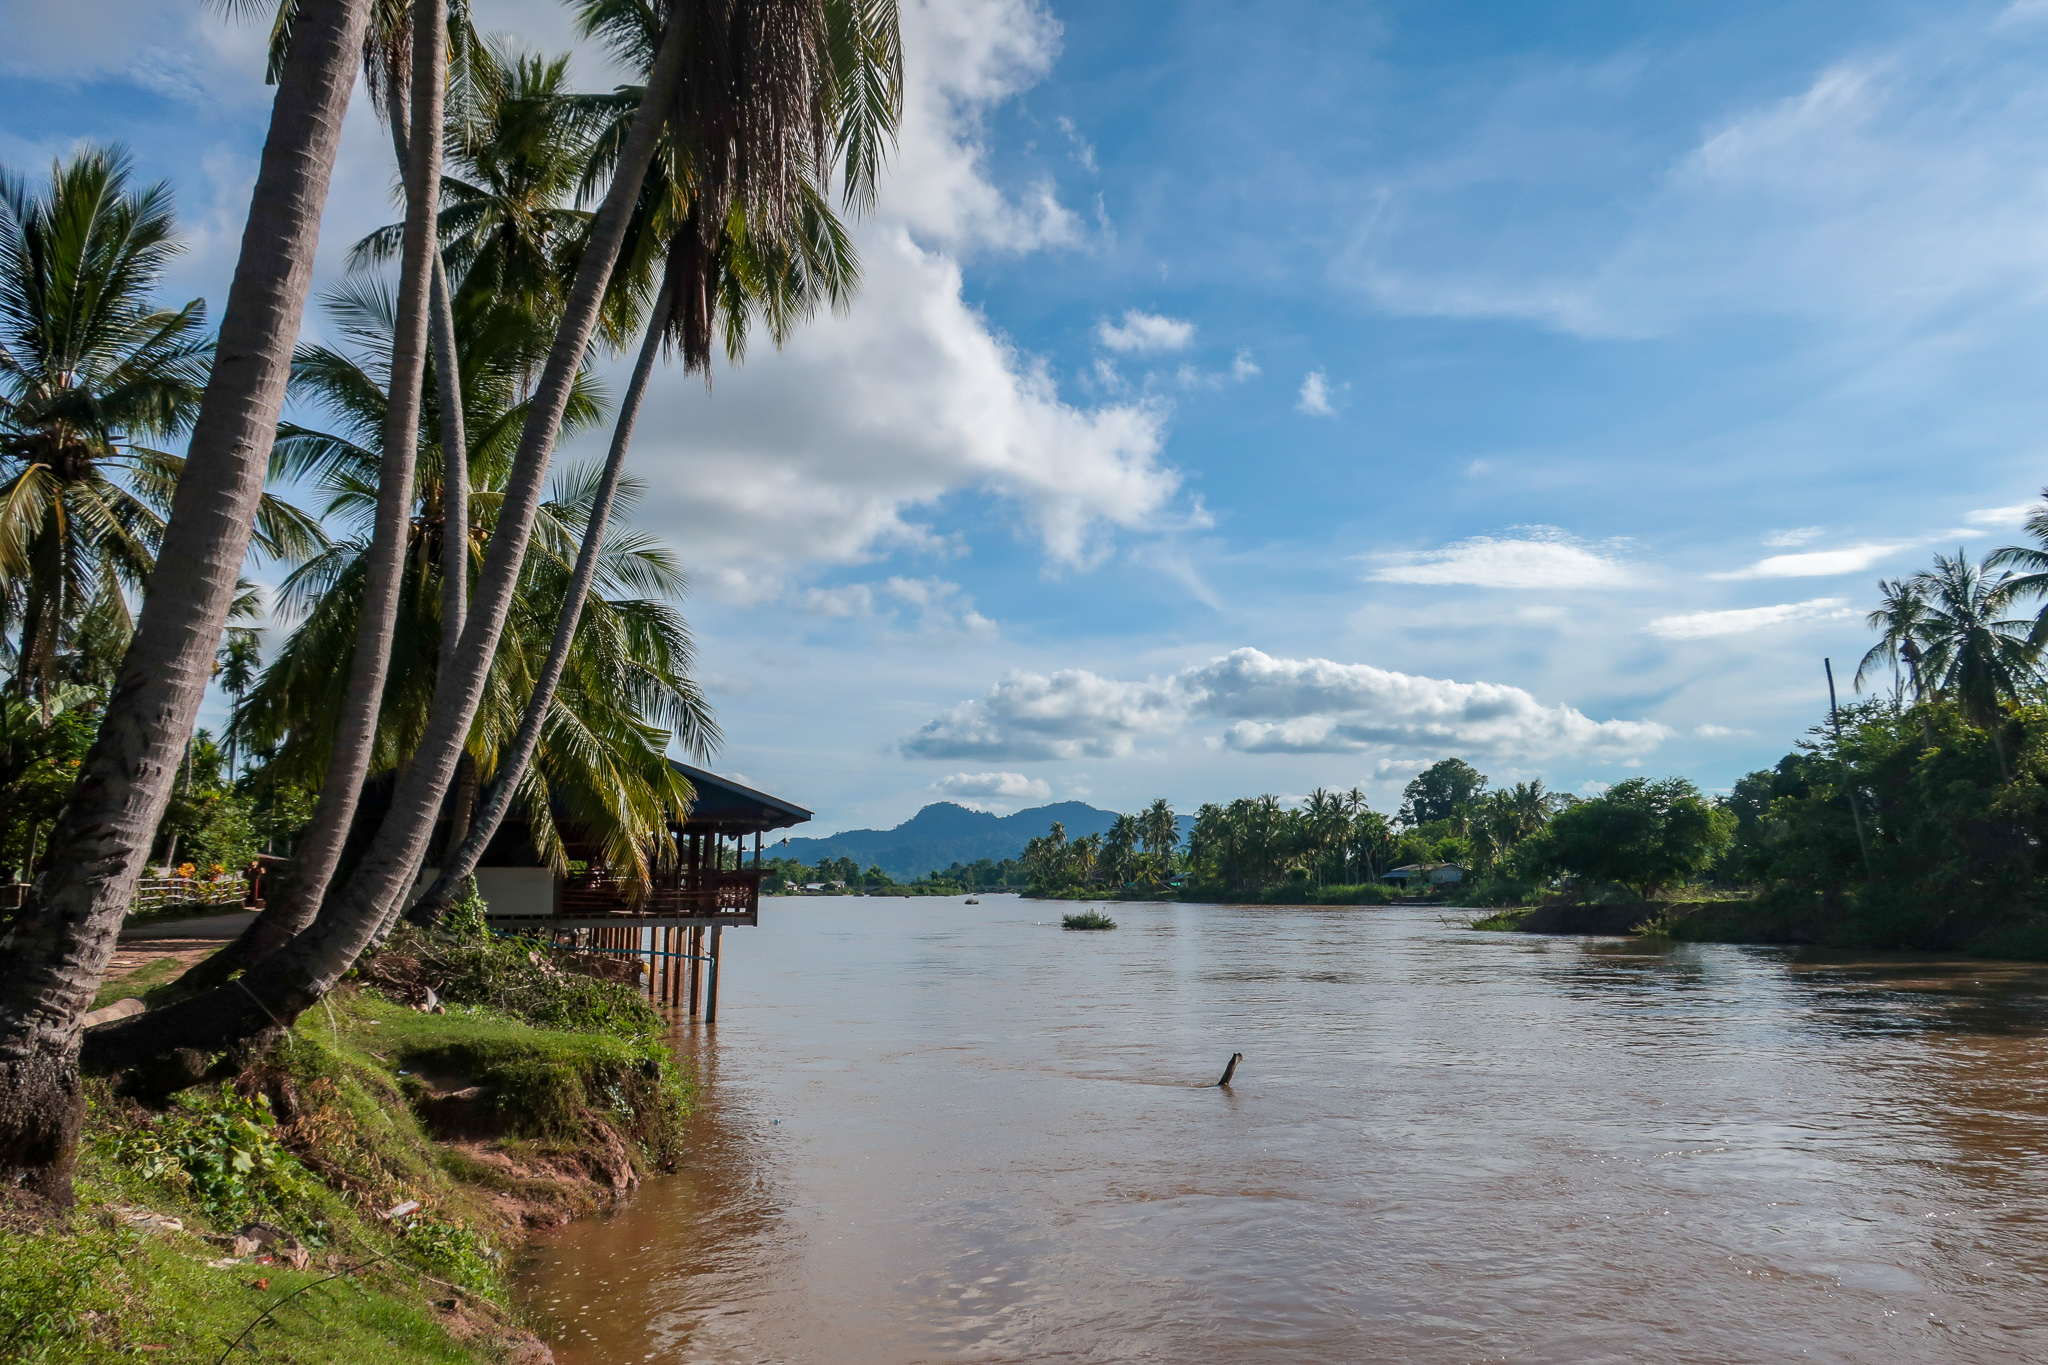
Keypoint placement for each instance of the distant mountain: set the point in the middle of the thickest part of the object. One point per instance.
(944, 833)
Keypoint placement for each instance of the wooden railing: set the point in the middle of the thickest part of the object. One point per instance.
(153, 893)
(708, 895)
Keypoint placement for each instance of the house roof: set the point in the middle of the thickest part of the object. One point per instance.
(724, 806)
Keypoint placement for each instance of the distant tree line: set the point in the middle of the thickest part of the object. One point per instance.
(844, 876)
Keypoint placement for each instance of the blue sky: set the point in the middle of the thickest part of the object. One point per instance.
(1251, 398)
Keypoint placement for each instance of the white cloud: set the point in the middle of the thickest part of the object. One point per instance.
(1819, 563)
(1317, 706)
(1243, 367)
(1539, 557)
(1069, 714)
(1145, 333)
(2015, 515)
(1315, 396)
(1701, 624)
(1801, 535)
(1716, 731)
(1003, 786)
(1275, 705)
(1084, 150)
(940, 608)
(834, 450)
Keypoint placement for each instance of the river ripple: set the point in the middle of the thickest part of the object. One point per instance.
(937, 1132)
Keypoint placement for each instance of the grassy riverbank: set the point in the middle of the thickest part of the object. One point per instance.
(539, 1093)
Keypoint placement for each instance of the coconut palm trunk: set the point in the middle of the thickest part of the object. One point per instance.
(462, 860)
(279, 987)
(301, 890)
(57, 949)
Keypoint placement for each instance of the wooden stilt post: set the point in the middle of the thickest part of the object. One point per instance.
(711, 991)
(696, 976)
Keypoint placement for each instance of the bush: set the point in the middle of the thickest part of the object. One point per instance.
(1087, 919)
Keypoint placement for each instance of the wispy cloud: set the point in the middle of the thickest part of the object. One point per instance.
(1799, 535)
(1143, 333)
(1741, 621)
(1539, 557)
(1820, 563)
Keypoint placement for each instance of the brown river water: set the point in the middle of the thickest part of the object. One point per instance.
(939, 1132)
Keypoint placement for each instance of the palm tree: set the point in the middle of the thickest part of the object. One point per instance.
(355, 719)
(1899, 619)
(736, 240)
(1159, 831)
(88, 364)
(1120, 850)
(58, 949)
(601, 755)
(1972, 651)
(521, 140)
(236, 663)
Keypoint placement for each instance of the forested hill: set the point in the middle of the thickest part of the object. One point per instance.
(943, 834)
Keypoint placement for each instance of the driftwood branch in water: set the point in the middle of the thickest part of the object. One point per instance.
(1231, 1069)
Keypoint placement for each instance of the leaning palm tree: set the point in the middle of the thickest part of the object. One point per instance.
(1971, 650)
(737, 206)
(56, 951)
(281, 986)
(603, 737)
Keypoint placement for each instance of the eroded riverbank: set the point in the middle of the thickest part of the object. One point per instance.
(937, 1132)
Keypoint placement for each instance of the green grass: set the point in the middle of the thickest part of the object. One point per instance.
(140, 982)
(315, 1138)
(1087, 919)
(1502, 921)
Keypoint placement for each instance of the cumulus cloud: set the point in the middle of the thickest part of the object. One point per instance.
(1145, 333)
(1741, 621)
(840, 447)
(1537, 557)
(1276, 705)
(1001, 786)
(1315, 396)
(1819, 563)
(1069, 714)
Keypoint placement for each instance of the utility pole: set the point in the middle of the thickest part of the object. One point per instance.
(1835, 719)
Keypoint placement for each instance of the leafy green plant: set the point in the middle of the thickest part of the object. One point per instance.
(451, 1251)
(1087, 919)
(222, 1150)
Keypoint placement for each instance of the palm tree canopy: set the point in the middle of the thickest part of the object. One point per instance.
(629, 691)
(1972, 649)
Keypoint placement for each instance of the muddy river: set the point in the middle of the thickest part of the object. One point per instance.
(931, 1131)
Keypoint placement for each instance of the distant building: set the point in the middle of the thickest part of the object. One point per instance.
(1411, 875)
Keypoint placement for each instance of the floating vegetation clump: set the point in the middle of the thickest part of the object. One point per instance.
(1087, 919)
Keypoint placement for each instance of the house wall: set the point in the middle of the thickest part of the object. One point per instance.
(513, 892)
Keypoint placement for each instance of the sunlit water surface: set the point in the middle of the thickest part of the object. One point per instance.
(939, 1132)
